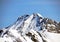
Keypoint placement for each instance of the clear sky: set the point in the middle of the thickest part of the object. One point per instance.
(10, 10)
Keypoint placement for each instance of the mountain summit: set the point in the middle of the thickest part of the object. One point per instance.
(31, 28)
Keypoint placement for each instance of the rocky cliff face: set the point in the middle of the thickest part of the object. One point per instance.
(31, 28)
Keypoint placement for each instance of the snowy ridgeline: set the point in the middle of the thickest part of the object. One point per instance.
(34, 28)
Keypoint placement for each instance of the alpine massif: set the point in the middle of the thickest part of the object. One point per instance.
(31, 28)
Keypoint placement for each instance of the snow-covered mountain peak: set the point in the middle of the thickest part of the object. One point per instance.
(31, 28)
(37, 14)
(33, 15)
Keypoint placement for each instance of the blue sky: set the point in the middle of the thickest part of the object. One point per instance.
(10, 10)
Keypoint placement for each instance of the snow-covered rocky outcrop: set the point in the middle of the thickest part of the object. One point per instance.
(34, 28)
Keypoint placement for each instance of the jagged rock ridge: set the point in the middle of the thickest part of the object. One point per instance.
(34, 28)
